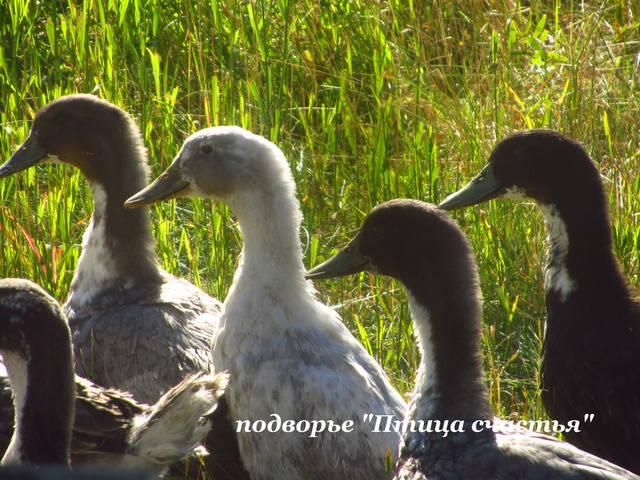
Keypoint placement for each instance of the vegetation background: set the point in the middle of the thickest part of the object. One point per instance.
(369, 100)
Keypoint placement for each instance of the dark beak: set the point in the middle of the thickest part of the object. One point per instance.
(349, 260)
(26, 156)
(483, 187)
(168, 185)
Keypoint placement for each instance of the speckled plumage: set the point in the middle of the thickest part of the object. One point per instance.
(294, 357)
(109, 427)
(102, 431)
(424, 249)
(287, 353)
(134, 326)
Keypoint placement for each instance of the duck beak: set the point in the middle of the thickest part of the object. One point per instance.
(349, 260)
(483, 187)
(168, 185)
(26, 156)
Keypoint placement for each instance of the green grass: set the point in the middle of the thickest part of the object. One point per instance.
(369, 101)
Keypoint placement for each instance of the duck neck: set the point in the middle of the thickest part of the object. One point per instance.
(43, 386)
(579, 252)
(446, 317)
(270, 225)
(117, 248)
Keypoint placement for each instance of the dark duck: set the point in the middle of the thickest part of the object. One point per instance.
(592, 342)
(135, 327)
(424, 249)
(61, 418)
(36, 349)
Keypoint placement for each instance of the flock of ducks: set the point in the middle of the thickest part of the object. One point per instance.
(163, 372)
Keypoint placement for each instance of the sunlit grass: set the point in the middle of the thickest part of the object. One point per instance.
(369, 101)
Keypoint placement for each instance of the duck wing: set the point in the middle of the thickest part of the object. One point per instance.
(103, 419)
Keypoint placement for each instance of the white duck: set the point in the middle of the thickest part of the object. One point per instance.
(289, 354)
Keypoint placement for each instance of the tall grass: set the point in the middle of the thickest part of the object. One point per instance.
(369, 101)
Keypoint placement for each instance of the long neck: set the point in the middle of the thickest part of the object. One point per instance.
(43, 397)
(579, 255)
(118, 250)
(446, 314)
(270, 223)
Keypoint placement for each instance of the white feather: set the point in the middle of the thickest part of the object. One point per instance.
(425, 393)
(176, 426)
(16, 367)
(514, 193)
(557, 277)
(95, 266)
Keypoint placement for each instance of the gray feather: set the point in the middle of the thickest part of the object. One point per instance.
(145, 340)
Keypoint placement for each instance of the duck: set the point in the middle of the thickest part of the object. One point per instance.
(105, 418)
(61, 418)
(591, 347)
(135, 326)
(424, 249)
(291, 357)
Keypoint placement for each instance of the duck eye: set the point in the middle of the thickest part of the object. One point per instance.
(206, 149)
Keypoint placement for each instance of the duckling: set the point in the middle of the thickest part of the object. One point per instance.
(110, 427)
(592, 341)
(427, 252)
(289, 355)
(135, 327)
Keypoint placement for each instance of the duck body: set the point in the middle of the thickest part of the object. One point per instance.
(167, 325)
(597, 377)
(135, 327)
(425, 250)
(592, 340)
(296, 359)
(59, 417)
(110, 429)
(289, 355)
(523, 455)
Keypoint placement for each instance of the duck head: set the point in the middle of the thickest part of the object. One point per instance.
(405, 239)
(74, 129)
(27, 313)
(217, 162)
(543, 165)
